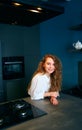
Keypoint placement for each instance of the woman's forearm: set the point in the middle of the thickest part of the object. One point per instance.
(51, 94)
(47, 94)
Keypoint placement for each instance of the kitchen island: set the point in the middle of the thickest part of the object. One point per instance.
(66, 116)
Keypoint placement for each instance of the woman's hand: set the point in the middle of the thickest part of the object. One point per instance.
(54, 101)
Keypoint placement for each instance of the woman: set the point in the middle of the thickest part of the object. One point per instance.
(46, 81)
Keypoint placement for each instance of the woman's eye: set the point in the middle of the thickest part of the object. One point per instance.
(48, 63)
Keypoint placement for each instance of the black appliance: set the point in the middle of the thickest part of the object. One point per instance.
(18, 111)
(13, 67)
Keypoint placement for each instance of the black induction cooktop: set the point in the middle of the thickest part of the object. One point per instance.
(15, 112)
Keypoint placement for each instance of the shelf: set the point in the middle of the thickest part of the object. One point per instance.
(74, 50)
(77, 27)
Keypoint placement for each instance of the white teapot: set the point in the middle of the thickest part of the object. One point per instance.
(77, 45)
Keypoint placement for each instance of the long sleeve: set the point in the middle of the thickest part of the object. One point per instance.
(39, 85)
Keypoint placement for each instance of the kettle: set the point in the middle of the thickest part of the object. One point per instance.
(77, 45)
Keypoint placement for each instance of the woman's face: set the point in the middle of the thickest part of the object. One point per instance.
(49, 66)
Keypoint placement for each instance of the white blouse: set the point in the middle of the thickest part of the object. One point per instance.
(39, 85)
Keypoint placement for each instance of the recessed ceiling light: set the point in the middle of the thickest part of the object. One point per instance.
(35, 11)
(39, 8)
(14, 23)
(16, 4)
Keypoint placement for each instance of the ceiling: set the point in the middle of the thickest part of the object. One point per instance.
(23, 15)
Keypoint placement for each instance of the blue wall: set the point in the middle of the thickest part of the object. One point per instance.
(57, 38)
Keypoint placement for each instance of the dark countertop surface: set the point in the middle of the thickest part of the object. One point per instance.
(66, 116)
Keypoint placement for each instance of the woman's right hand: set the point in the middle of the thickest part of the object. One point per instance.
(54, 101)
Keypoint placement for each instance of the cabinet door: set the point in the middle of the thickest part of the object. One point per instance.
(2, 95)
(15, 89)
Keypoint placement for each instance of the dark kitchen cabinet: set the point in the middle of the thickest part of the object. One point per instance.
(15, 89)
(2, 93)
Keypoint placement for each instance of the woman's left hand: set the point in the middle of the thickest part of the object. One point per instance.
(54, 101)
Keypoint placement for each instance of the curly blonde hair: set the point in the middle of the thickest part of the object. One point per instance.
(56, 76)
